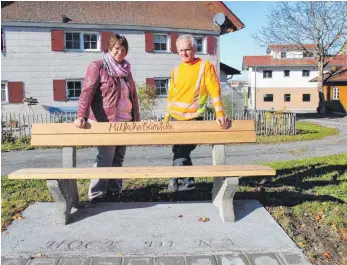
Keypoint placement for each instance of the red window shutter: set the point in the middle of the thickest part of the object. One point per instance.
(210, 45)
(149, 41)
(105, 37)
(173, 37)
(57, 37)
(150, 82)
(15, 92)
(59, 90)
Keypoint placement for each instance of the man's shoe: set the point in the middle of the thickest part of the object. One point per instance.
(173, 185)
(187, 184)
(98, 200)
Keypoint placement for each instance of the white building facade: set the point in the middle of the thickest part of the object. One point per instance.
(281, 79)
(47, 61)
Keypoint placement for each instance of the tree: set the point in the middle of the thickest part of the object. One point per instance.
(148, 99)
(321, 23)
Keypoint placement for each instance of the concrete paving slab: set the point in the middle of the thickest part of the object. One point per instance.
(150, 230)
(232, 259)
(106, 261)
(5, 261)
(169, 261)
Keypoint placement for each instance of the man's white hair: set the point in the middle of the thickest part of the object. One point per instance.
(187, 37)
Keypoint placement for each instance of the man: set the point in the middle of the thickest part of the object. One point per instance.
(191, 83)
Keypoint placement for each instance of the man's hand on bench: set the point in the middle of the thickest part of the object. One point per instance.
(224, 122)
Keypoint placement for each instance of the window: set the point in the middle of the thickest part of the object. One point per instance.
(161, 42)
(307, 54)
(73, 89)
(283, 54)
(306, 97)
(286, 73)
(2, 40)
(336, 93)
(286, 97)
(4, 92)
(161, 86)
(267, 74)
(268, 97)
(305, 73)
(90, 41)
(84, 41)
(200, 44)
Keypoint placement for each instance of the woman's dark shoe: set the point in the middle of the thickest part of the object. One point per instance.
(113, 196)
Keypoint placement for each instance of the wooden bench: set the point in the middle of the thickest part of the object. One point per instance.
(62, 181)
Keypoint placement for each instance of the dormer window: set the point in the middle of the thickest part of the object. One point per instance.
(307, 54)
(283, 54)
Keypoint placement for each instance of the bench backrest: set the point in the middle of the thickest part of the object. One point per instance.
(142, 133)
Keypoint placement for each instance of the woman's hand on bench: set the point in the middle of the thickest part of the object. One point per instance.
(80, 122)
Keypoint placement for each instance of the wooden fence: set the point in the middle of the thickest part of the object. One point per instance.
(14, 125)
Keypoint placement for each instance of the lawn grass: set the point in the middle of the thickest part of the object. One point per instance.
(18, 144)
(306, 131)
(308, 198)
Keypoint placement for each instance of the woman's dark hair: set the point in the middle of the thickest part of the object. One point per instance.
(114, 39)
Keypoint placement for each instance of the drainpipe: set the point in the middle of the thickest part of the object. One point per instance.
(255, 88)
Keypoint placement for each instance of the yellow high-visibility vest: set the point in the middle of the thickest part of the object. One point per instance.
(190, 86)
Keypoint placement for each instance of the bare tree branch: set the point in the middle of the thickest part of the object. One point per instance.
(321, 23)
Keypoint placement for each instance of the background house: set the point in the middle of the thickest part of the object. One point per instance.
(47, 45)
(335, 90)
(227, 72)
(281, 79)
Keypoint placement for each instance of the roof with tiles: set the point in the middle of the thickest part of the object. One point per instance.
(268, 60)
(179, 15)
(339, 75)
(291, 47)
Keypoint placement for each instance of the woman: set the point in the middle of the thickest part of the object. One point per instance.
(108, 95)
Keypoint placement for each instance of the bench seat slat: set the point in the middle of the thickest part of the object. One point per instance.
(143, 172)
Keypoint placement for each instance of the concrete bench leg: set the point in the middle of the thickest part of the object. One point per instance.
(224, 199)
(64, 192)
(223, 189)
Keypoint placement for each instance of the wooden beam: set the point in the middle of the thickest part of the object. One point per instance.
(143, 172)
(143, 138)
(140, 127)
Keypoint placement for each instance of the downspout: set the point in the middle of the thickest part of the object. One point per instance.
(255, 88)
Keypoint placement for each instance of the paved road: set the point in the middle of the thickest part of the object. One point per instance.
(236, 154)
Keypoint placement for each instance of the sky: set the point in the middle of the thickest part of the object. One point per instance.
(235, 45)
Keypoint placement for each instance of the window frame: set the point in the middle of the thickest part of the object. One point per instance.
(304, 71)
(81, 39)
(67, 89)
(285, 55)
(204, 46)
(303, 100)
(168, 41)
(290, 97)
(168, 85)
(307, 54)
(336, 96)
(2, 40)
(6, 92)
(268, 100)
(284, 73)
(269, 71)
